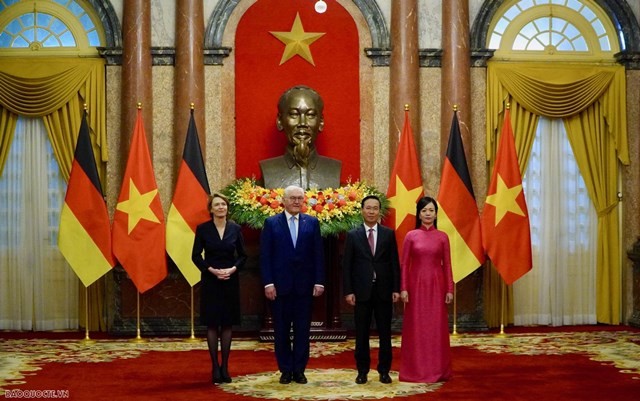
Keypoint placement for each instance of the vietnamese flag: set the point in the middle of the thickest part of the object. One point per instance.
(405, 185)
(84, 237)
(138, 223)
(505, 219)
(189, 206)
(458, 212)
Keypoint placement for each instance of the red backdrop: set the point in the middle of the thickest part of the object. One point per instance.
(260, 80)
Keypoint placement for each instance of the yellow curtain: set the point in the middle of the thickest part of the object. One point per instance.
(57, 89)
(596, 157)
(63, 126)
(7, 128)
(592, 101)
(554, 93)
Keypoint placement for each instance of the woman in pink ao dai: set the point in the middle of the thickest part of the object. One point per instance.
(426, 289)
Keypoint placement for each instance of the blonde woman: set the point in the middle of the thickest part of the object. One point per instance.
(224, 253)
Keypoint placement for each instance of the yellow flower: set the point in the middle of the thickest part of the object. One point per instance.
(337, 209)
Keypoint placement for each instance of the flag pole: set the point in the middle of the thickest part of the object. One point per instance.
(192, 338)
(502, 286)
(138, 338)
(86, 339)
(502, 308)
(455, 313)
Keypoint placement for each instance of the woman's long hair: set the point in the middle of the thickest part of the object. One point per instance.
(420, 205)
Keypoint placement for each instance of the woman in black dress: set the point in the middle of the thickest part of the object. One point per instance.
(224, 254)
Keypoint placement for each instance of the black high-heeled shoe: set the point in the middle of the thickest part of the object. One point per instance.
(224, 373)
(216, 377)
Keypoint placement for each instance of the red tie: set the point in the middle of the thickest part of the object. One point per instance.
(372, 245)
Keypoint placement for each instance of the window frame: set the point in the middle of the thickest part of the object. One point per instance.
(72, 22)
(515, 26)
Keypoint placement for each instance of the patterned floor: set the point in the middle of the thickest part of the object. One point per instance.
(23, 357)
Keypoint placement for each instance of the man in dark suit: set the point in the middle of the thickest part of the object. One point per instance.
(372, 284)
(292, 266)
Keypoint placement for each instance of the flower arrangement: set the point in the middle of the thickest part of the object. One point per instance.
(337, 209)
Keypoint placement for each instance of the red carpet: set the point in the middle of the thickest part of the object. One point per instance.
(578, 365)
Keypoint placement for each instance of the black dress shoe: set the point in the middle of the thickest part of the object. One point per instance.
(385, 378)
(300, 378)
(285, 378)
(361, 378)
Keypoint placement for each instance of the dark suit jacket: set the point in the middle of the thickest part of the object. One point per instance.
(358, 264)
(292, 270)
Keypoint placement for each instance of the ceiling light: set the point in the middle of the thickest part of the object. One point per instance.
(321, 6)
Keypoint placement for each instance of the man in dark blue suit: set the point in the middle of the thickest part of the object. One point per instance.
(372, 284)
(292, 266)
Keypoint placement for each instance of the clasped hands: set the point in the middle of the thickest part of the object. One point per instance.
(222, 274)
(404, 296)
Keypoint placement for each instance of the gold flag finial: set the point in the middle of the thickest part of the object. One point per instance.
(139, 105)
(406, 107)
(508, 106)
(192, 105)
(455, 107)
(85, 107)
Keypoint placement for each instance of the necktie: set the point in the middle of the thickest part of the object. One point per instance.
(372, 245)
(292, 230)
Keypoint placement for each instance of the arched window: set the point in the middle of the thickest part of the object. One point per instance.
(47, 27)
(38, 290)
(553, 30)
(561, 289)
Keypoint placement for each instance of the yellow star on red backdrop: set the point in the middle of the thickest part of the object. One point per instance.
(505, 200)
(138, 206)
(404, 201)
(297, 41)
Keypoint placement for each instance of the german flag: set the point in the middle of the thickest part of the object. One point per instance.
(458, 212)
(189, 206)
(84, 236)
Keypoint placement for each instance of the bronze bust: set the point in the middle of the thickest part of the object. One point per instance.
(300, 116)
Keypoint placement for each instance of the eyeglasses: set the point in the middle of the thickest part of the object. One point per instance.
(296, 198)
